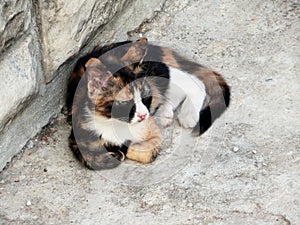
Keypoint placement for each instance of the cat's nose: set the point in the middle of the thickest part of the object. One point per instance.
(142, 116)
(143, 39)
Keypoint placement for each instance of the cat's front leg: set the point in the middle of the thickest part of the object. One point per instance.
(149, 147)
(173, 98)
(188, 115)
(165, 115)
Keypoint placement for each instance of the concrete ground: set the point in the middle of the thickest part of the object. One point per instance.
(245, 170)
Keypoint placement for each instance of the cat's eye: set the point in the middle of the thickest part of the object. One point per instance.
(121, 102)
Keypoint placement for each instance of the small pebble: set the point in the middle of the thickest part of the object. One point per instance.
(30, 144)
(2, 182)
(268, 79)
(28, 203)
(235, 149)
(254, 152)
(44, 181)
(35, 217)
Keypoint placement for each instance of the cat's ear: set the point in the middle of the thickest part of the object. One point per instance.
(97, 77)
(136, 52)
(93, 62)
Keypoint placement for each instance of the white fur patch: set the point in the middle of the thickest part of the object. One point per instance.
(140, 107)
(187, 89)
(165, 115)
(114, 130)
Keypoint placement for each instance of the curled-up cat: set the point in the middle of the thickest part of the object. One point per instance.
(111, 110)
(196, 93)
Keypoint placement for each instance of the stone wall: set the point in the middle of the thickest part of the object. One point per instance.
(39, 42)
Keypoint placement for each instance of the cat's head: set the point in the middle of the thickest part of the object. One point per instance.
(122, 95)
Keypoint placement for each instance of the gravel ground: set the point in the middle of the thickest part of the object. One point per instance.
(245, 170)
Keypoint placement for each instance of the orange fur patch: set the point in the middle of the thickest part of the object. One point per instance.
(168, 58)
(146, 150)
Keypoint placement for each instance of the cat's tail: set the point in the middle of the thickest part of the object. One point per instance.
(98, 158)
(217, 100)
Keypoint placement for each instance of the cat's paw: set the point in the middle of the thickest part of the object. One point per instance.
(143, 156)
(164, 115)
(188, 116)
(165, 121)
(146, 150)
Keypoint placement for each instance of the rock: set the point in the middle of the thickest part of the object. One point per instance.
(15, 17)
(30, 144)
(190, 205)
(28, 203)
(66, 26)
(20, 83)
(235, 149)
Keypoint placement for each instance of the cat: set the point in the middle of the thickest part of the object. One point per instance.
(113, 105)
(196, 93)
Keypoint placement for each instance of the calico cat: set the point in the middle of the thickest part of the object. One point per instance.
(158, 83)
(113, 103)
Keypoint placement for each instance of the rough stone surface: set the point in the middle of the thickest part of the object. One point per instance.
(136, 10)
(66, 26)
(20, 81)
(31, 119)
(255, 45)
(15, 17)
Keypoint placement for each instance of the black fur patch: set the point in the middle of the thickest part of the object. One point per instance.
(205, 121)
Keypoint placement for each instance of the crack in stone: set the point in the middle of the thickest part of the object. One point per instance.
(282, 217)
(142, 27)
